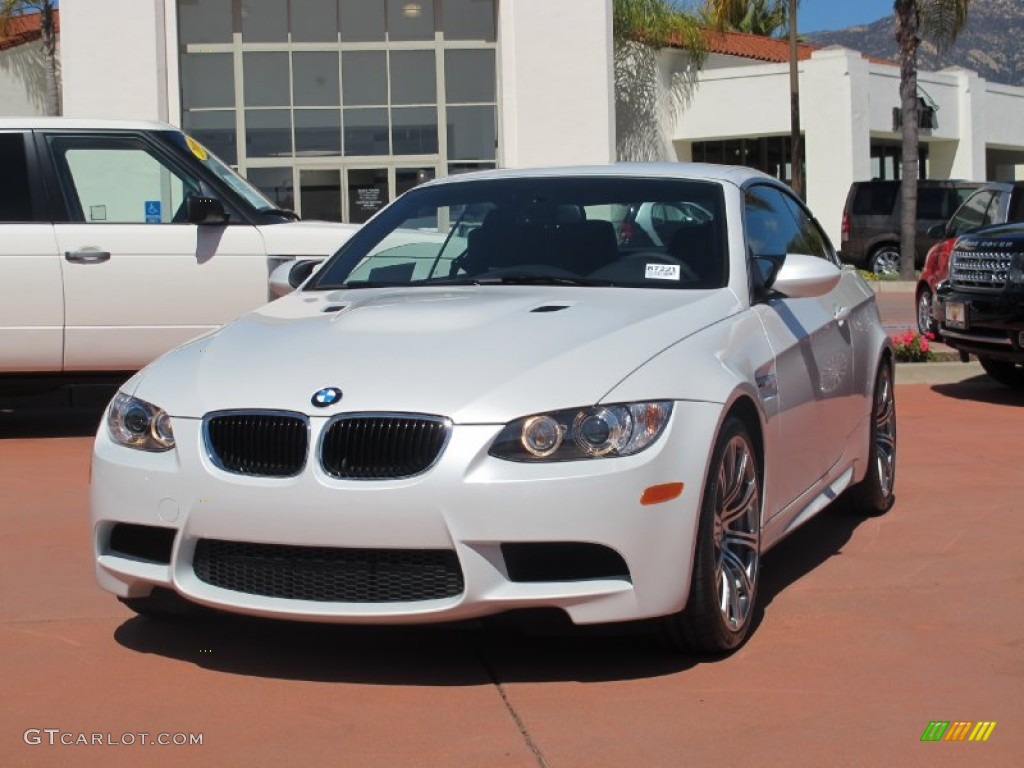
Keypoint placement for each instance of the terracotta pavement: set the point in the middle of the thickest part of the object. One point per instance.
(870, 630)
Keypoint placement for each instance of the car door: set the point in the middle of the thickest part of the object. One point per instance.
(31, 297)
(813, 344)
(138, 278)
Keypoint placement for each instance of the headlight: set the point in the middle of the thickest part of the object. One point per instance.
(138, 424)
(583, 433)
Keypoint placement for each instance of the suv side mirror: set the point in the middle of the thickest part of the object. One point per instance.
(937, 231)
(204, 210)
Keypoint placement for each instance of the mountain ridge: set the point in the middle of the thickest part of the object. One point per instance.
(989, 44)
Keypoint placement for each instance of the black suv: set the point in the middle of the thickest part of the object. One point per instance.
(983, 301)
(871, 220)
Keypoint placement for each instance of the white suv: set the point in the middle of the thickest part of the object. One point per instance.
(120, 240)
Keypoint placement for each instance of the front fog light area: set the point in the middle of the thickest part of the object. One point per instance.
(583, 433)
(137, 424)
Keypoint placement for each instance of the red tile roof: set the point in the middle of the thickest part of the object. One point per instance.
(26, 28)
(759, 48)
(755, 46)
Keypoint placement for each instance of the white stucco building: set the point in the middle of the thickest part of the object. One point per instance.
(316, 100)
(22, 68)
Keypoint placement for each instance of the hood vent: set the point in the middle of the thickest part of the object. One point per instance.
(551, 308)
(333, 308)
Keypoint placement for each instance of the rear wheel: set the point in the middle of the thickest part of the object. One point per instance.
(925, 320)
(1006, 372)
(723, 590)
(875, 494)
(885, 261)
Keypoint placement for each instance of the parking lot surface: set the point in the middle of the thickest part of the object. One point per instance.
(870, 629)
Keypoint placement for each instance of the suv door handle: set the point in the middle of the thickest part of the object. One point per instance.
(87, 256)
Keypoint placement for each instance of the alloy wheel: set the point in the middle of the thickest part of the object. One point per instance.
(736, 534)
(885, 434)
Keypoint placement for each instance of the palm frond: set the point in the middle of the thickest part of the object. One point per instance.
(942, 21)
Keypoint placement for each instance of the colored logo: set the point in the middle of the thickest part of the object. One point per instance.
(325, 397)
(961, 730)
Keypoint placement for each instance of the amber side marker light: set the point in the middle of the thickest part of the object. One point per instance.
(657, 494)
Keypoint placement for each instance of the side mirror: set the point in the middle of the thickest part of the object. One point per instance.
(288, 276)
(803, 277)
(937, 231)
(204, 210)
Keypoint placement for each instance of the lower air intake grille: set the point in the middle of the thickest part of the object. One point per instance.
(329, 575)
(382, 447)
(265, 444)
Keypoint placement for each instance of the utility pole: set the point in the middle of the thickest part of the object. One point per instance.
(795, 141)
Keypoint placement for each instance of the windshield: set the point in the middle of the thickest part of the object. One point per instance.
(558, 230)
(223, 172)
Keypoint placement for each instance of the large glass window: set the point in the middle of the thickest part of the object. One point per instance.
(396, 84)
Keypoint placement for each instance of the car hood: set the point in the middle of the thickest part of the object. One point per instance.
(305, 238)
(481, 354)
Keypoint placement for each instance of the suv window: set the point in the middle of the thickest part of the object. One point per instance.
(15, 197)
(119, 181)
(874, 199)
(976, 212)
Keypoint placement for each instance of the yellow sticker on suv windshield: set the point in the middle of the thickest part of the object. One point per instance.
(197, 149)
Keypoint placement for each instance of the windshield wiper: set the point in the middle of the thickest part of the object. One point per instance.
(527, 279)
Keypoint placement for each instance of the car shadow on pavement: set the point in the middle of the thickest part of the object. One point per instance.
(539, 646)
(49, 422)
(982, 389)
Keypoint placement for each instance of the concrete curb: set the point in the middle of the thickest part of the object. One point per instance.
(937, 373)
(892, 286)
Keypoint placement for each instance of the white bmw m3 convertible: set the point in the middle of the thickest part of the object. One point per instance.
(487, 401)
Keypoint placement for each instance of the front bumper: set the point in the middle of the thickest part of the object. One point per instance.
(994, 323)
(482, 509)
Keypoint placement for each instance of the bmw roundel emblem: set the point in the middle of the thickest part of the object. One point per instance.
(326, 396)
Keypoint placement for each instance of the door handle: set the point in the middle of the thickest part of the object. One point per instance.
(87, 256)
(841, 314)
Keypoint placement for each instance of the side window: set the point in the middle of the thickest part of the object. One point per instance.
(776, 225)
(119, 181)
(972, 214)
(15, 197)
(1015, 210)
(811, 239)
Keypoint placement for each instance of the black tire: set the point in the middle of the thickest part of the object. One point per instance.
(1006, 372)
(875, 494)
(925, 320)
(885, 260)
(161, 604)
(723, 589)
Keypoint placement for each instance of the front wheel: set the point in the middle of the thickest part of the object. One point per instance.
(925, 320)
(1006, 372)
(723, 589)
(875, 494)
(885, 261)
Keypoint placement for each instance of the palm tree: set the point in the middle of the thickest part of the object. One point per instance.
(765, 17)
(640, 29)
(755, 17)
(11, 8)
(941, 21)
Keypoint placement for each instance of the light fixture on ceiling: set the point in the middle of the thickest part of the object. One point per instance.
(412, 10)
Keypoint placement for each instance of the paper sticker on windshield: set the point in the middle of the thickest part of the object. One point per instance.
(197, 149)
(662, 272)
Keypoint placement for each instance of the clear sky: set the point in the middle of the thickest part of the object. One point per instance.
(818, 15)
